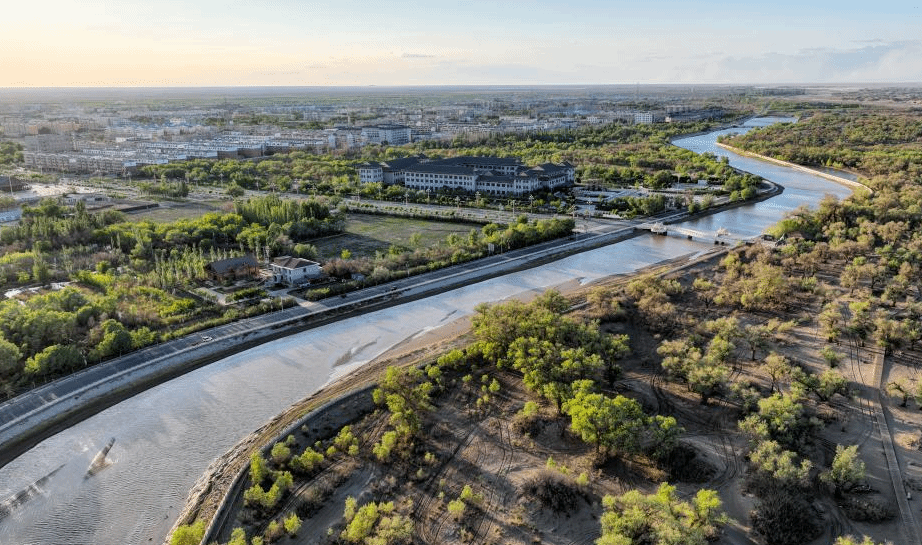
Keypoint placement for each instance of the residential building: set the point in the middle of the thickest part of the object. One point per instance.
(233, 268)
(643, 118)
(293, 271)
(392, 134)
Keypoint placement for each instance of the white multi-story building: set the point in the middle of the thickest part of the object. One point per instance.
(293, 271)
(643, 118)
(488, 175)
(392, 134)
(387, 172)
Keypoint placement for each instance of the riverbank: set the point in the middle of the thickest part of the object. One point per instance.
(30, 418)
(36, 415)
(801, 168)
(218, 493)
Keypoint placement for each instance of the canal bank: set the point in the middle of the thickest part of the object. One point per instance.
(67, 401)
(59, 405)
(800, 168)
(218, 493)
(169, 434)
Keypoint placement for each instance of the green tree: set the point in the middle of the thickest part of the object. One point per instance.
(777, 367)
(10, 357)
(847, 469)
(292, 524)
(307, 461)
(238, 537)
(549, 369)
(280, 453)
(779, 465)
(661, 518)
(54, 359)
(849, 540)
(608, 423)
(189, 534)
(375, 523)
(780, 417)
(406, 395)
(258, 469)
(116, 340)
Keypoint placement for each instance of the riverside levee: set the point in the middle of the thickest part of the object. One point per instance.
(169, 434)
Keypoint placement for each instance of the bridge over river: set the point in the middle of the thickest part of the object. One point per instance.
(720, 236)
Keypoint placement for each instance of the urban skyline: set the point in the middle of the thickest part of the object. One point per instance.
(164, 43)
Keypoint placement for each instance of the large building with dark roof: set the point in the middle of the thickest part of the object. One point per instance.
(496, 176)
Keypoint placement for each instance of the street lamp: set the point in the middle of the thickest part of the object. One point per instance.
(428, 191)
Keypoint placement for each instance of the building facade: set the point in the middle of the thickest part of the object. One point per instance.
(494, 176)
(294, 271)
(392, 134)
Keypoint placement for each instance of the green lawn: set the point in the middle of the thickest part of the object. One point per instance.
(366, 233)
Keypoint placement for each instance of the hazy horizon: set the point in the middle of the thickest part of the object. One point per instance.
(407, 43)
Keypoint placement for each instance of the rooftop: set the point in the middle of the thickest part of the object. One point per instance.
(222, 266)
(288, 262)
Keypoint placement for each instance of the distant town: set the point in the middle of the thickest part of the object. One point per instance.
(87, 137)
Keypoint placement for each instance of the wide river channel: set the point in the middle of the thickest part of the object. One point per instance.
(168, 435)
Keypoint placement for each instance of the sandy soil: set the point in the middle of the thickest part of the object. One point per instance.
(487, 451)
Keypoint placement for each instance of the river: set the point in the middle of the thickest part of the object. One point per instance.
(167, 436)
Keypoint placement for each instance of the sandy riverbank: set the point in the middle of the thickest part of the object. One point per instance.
(210, 493)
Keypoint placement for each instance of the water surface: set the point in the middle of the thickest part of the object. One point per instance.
(167, 436)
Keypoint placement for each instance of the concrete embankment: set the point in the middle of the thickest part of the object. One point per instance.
(31, 417)
(225, 478)
(801, 168)
(319, 423)
(36, 415)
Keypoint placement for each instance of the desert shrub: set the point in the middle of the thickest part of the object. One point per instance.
(556, 491)
(867, 510)
(528, 420)
(784, 518)
(280, 453)
(238, 537)
(274, 531)
(307, 461)
(292, 524)
(456, 509)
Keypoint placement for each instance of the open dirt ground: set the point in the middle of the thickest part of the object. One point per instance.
(485, 447)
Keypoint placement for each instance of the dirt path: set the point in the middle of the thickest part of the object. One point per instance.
(910, 525)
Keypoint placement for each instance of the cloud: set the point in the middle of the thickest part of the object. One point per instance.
(878, 61)
(417, 56)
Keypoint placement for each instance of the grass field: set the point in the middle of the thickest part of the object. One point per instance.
(366, 233)
(172, 211)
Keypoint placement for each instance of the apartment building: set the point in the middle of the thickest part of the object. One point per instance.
(392, 134)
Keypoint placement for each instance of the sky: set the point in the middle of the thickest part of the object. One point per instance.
(170, 43)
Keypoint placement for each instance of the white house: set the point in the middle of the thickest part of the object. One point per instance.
(293, 270)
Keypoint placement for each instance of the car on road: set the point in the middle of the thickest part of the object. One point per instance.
(206, 338)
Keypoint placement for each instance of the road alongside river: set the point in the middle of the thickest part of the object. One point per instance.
(167, 435)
